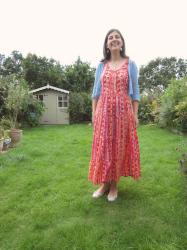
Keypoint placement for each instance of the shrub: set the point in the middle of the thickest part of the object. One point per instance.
(17, 97)
(173, 109)
(5, 123)
(79, 107)
(148, 109)
(180, 121)
(3, 95)
(32, 114)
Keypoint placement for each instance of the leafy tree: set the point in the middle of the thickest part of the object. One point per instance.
(13, 64)
(155, 77)
(2, 60)
(79, 77)
(3, 95)
(17, 98)
(40, 71)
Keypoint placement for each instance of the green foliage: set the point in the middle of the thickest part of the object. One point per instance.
(1, 132)
(148, 109)
(181, 115)
(17, 105)
(79, 107)
(79, 77)
(87, 114)
(17, 97)
(155, 77)
(39, 71)
(5, 122)
(3, 95)
(173, 110)
(13, 64)
(33, 113)
(144, 111)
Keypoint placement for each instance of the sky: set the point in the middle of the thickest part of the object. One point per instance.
(66, 29)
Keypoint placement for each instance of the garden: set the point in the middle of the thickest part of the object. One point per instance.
(45, 196)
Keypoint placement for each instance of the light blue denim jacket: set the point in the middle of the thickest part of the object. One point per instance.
(134, 91)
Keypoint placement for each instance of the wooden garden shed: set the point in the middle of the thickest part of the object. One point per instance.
(56, 102)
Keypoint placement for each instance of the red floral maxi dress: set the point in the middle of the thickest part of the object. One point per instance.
(115, 148)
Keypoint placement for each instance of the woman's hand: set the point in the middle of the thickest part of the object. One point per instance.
(135, 112)
(136, 120)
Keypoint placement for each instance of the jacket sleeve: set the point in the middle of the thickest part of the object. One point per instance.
(135, 85)
(97, 83)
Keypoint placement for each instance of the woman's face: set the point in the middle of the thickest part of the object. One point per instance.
(114, 41)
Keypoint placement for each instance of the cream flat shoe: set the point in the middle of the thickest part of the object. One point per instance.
(99, 193)
(112, 197)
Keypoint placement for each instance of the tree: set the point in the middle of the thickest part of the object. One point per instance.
(17, 97)
(3, 95)
(155, 77)
(40, 71)
(13, 64)
(79, 77)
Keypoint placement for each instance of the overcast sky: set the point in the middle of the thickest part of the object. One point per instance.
(66, 29)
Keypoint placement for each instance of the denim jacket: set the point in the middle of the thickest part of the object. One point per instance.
(134, 91)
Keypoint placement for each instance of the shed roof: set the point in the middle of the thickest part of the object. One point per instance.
(49, 87)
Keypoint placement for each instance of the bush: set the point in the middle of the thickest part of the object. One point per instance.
(17, 106)
(5, 123)
(79, 107)
(148, 110)
(173, 109)
(33, 113)
(180, 121)
(3, 95)
(17, 98)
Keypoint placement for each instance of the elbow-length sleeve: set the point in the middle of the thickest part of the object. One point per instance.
(97, 83)
(134, 81)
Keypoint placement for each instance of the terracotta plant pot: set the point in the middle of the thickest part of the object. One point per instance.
(15, 135)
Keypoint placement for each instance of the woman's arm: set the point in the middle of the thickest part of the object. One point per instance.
(136, 93)
(96, 89)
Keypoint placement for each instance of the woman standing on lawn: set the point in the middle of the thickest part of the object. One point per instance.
(115, 148)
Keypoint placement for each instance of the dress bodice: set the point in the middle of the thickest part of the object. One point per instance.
(115, 82)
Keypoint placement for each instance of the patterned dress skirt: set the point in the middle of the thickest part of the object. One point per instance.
(115, 148)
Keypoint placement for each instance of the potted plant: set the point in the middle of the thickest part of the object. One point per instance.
(16, 102)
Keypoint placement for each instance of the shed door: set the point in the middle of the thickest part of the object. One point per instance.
(62, 109)
(49, 115)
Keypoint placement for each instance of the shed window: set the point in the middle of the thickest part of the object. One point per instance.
(40, 98)
(62, 101)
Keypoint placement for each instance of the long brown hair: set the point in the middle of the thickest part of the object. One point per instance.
(106, 52)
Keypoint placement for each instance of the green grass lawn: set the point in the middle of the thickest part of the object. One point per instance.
(46, 203)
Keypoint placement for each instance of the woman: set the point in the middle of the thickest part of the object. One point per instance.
(115, 149)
